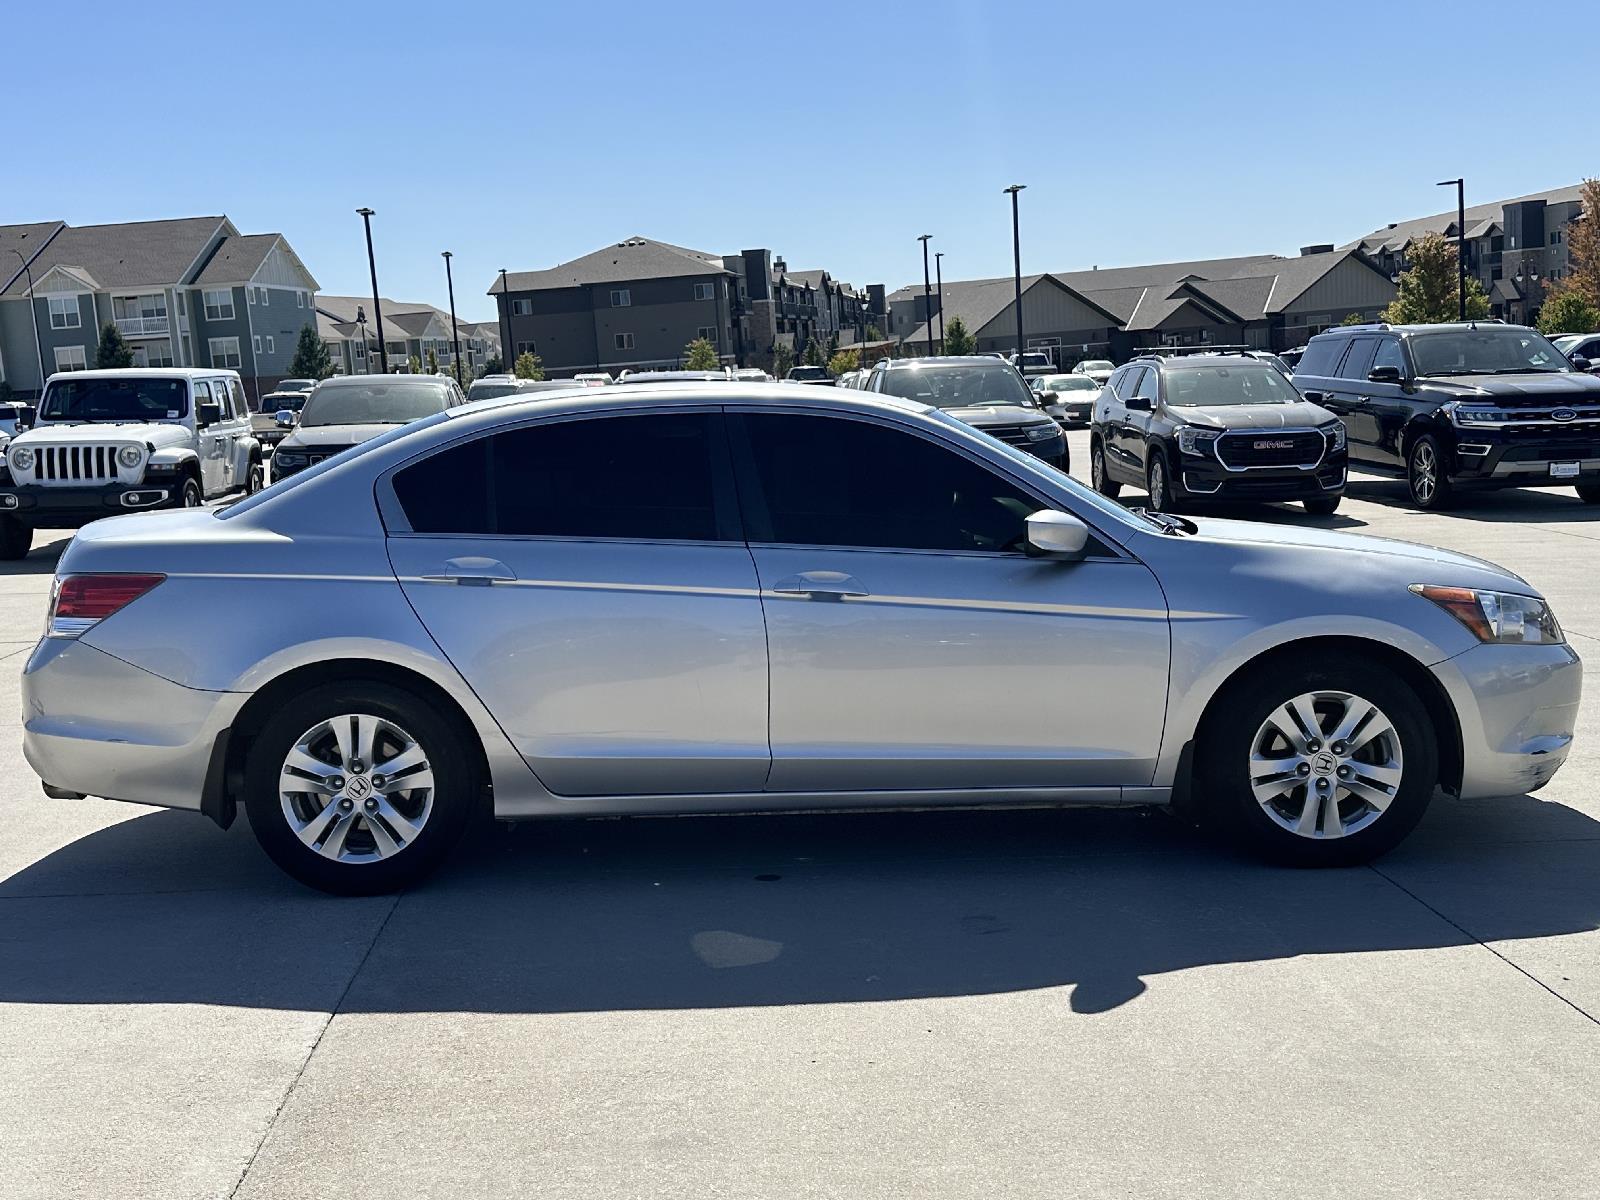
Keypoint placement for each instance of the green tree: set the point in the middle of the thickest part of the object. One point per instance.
(528, 366)
(1428, 287)
(494, 366)
(311, 357)
(874, 334)
(414, 365)
(1569, 312)
(813, 355)
(1582, 277)
(113, 351)
(700, 355)
(433, 361)
(844, 360)
(956, 338)
(782, 359)
(1354, 318)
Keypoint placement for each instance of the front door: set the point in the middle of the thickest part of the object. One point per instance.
(913, 642)
(1349, 396)
(211, 439)
(1379, 424)
(588, 580)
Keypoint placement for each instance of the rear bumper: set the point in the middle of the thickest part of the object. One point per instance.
(65, 507)
(97, 725)
(1518, 707)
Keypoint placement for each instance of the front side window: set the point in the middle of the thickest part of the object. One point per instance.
(64, 313)
(1128, 385)
(835, 481)
(219, 304)
(1358, 361)
(1150, 386)
(650, 477)
(224, 352)
(1390, 354)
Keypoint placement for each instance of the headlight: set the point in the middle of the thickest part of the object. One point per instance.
(1497, 616)
(1192, 440)
(1335, 435)
(1042, 433)
(289, 459)
(129, 456)
(22, 458)
(1472, 415)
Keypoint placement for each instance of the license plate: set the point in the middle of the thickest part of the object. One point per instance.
(1564, 470)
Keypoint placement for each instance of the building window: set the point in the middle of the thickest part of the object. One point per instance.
(299, 298)
(71, 358)
(621, 297)
(361, 351)
(64, 313)
(256, 342)
(704, 291)
(271, 349)
(1555, 238)
(709, 333)
(219, 304)
(250, 295)
(183, 304)
(522, 308)
(224, 352)
(623, 341)
(525, 348)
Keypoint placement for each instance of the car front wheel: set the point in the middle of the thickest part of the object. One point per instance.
(16, 539)
(1426, 474)
(1322, 761)
(1322, 506)
(358, 789)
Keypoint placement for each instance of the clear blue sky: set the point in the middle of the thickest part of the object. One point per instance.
(523, 134)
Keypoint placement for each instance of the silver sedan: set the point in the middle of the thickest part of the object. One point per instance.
(716, 598)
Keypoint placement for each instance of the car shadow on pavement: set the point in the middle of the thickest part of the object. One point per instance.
(1538, 505)
(41, 560)
(764, 910)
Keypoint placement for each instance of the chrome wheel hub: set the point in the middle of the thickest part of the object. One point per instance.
(356, 788)
(1325, 764)
(1424, 470)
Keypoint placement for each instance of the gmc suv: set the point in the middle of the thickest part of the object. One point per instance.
(1479, 404)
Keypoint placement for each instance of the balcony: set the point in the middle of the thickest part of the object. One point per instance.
(143, 326)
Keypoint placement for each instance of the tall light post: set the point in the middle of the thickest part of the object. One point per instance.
(455, 330)
(505, 305)
(1461, 243)
(1016, 258)
(38, 346)
(938, 279)
(377, 307)
(927, 291)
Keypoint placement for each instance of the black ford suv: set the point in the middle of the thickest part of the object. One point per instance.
(1214, 427)
(1479, 404)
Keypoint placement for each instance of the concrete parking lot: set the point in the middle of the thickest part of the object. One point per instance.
(1008, 1004)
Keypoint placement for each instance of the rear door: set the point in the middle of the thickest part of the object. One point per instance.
(588, 579)
(1122, 456)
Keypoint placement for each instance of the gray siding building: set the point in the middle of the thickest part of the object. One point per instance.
(411, 330)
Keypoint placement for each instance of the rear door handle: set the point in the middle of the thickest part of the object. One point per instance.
(820, 585)
(472, 571)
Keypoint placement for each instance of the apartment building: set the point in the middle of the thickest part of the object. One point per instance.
(638, 303)
(410, 331)
(187, 292)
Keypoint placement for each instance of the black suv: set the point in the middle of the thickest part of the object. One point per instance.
(1479, 404)
(1214, 427)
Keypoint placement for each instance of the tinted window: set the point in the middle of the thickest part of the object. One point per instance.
(1150, 386)
(1321, 356)
(1390, 355)
(1126, 386)
(1247, 382)
(832, 481)
(613, 477)
(1358, 361)
(960, 386)
(1484, 350)
(241, 406)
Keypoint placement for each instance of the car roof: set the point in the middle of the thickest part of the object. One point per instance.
(947, 360)
(350, 380)
(1204, 360)
(149, 372)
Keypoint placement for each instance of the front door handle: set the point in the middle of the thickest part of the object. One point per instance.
(472, 571)
(820, 585)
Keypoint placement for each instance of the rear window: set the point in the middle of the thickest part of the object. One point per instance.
(1321, 356)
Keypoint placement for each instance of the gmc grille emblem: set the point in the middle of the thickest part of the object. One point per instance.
(1275, 444)
(1563, 414)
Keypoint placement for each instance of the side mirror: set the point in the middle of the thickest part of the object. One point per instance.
(1137, 403)
(1049, 397)
(285, 418)
(1580, 363)
(1384, 375)
(209, 414)
(1057, 535)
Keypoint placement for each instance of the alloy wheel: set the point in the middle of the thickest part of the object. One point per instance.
(1158, 486)
(1424, 472)
(356, 788)
(1325, 764)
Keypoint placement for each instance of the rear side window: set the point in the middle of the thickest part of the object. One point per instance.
(1321, 356)
(1358, 362)
(648, 477)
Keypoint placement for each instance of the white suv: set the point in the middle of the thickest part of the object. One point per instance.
(115, 441)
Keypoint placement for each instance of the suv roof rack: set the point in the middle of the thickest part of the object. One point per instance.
(1366, 325)
(1187, 351)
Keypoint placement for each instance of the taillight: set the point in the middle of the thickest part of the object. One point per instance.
(78, 601)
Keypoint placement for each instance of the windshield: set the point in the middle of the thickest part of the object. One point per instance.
(1484, 351)
(1096, 364)
(488, 391)
(1066, 383)
(809, 373)
(293, 401)
(388, 403)
(1206, 387)
(131, 399)
(970, 385)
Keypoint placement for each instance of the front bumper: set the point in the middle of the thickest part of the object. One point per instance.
(1488, 458)
(67, 507)
(1517, 706)
(97, 725)
(1202, 477)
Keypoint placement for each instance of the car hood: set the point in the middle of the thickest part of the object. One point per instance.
(1300, 415)
(104, 433)
(1535, 386)
(983, 416)
(316, 436)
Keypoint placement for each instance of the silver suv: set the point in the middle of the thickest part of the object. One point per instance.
(718, 597)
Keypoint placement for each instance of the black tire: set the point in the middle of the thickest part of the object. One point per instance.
(1100, 478)
(1428, 474)
(189, 495)
(453, 795)
(16, 539)
(1589, 493)
(256, 479)
(1158, 483)
(1228, 738)
(1322, 506)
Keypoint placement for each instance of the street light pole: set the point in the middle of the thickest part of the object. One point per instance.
(927, 291)
(505, 305)
(455, 330)
(38, 346)
(938, 276)
(1461, 243)
(377, 307)
(1016, 258)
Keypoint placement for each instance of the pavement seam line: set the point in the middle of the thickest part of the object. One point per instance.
(1517, 967)
(316, 1042)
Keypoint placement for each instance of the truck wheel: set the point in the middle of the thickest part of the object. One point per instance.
(16, 539)
(255, 481)
(190, 497)
(1427, 474)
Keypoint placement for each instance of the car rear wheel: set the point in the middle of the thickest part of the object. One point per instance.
(1159, 484)
(1322, 506)
(358, 788)
(16, 539)
(1427, 476)
(1098, 476)
(1322, 761)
